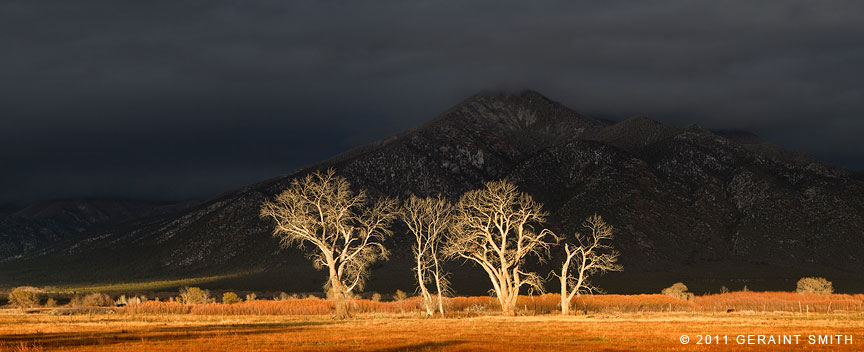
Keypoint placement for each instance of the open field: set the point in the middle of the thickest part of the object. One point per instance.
(601, 322)
(408, 332)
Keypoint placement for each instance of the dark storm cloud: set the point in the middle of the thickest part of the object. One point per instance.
(177, 99)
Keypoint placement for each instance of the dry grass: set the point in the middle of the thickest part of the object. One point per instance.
(607, 322)
(304, 306)
(530, 305)
(651, 331)
(781, 302)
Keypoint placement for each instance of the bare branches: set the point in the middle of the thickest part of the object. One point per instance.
(594, 254)
(428, 219)
(321, 210)
(494, 227)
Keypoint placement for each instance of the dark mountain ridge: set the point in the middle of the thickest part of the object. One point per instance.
(42, 224)
(705, 207)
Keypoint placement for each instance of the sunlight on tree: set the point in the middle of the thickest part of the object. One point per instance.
(346, 234)
(592, 255)
(494, 227)
(428, 219)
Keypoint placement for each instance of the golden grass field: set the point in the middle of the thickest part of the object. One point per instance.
(631, 331)
(604, 322)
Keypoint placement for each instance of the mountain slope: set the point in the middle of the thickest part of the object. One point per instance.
(45, 223)
(687, 203)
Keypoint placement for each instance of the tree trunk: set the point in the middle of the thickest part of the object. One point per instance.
(508, 302)
(511, 304)
(337, 294)
(565, 302)
(438, 288)
(565, 297)
(504, 301)
(427, 298)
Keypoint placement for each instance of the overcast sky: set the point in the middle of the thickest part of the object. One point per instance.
(182, 99)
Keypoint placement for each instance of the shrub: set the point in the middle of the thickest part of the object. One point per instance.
(98, 300)
(194, 295)
(251, 297)
(284, 297)
(24, 297)
(678, 290)
(376, 297)
(50, 303)
(400, 296)
(92, 300)
(230, 298)
(125, 301)
(815, 285)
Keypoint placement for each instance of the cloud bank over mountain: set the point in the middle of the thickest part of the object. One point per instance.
(167, 100)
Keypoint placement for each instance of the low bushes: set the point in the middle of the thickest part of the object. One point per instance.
(92, 300)
(541, 304)
(230, 298)
(194, 295)
(811, 297)
(818, 285)
(678, 290)
(631, 303)
(258, 307)
(780, 302)
(304, 306)
(24, 297)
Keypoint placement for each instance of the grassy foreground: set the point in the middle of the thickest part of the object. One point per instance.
(601, 322)
(396, 332)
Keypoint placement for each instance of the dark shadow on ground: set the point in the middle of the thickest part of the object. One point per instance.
(426, 346)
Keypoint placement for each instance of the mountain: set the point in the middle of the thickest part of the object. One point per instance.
(39, 225)
(709, 208)
(6, 209)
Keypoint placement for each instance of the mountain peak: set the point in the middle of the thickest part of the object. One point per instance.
(512, 111)
(524, 94)
(503, 99)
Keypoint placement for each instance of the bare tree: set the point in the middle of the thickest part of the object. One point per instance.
(494, 227)
(428, 219)
(593, 254)
(345, 233)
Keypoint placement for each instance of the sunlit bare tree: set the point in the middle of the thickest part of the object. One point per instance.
(345, 233)
(593, 254)
(497, 228)
(428, 219)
